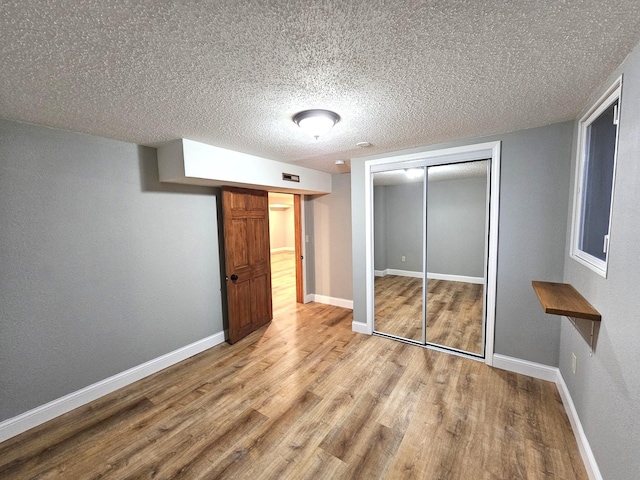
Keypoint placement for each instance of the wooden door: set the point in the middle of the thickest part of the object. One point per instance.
(248, 262)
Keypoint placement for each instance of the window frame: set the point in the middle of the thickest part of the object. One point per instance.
(612, 95)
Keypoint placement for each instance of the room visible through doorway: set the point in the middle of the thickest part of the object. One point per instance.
(282, 243)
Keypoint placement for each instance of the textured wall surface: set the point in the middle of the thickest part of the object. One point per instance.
(329, 249)
(533, 209)
(606, 386)
(103, 268)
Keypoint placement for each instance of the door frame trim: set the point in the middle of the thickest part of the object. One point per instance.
(298, 231)
(464, 153)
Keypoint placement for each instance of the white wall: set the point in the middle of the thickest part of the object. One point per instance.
(281, 227)
(606, 386)
(188, 162)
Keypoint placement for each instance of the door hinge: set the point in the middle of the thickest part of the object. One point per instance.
(605, 246)
(616, 115)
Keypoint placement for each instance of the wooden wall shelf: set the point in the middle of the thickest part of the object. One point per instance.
(563, 299)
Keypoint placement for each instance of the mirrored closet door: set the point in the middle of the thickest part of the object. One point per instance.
(398, 206)
(430, 226)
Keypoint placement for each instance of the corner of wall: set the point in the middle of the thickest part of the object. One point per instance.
(553, 374)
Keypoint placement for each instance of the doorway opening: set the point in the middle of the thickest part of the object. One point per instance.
(286, 265)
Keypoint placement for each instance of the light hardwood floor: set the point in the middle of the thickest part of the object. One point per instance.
(398, 306)
(306, 398)
(454, 311)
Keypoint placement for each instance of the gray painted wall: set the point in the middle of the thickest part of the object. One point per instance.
(380, 227)
(404, 226)
(456, 224)
(328, 225)
(531, 238)
(455, 230)
(606, 387)
(102, 267)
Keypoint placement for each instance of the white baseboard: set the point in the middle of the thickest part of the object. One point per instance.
(525, 367)
(403, 273)
(283, 249)
(336, 302)
(455, 278)
(435, 276)
(360, 327)
(552, 374)
(37, 416)
(583, 443)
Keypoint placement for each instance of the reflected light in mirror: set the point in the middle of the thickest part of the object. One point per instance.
(414, 172)
(471, 169)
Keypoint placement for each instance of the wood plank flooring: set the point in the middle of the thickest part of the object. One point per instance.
(306, 398)
(398, 306)
(454, 311)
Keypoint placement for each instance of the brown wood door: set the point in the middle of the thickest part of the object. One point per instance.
(248, 261)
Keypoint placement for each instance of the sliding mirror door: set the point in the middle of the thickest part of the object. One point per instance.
(457, 249)
(398, 205)
(430, 253)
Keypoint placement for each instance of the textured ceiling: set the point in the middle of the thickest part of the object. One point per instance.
(232, 73)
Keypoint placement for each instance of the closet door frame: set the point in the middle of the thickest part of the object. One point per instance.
(453, 155)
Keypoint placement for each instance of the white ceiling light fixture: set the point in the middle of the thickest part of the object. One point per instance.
(316, 122)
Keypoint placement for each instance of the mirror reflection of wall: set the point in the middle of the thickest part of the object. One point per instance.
(398, 254)
(456, 227)
(456, 255)
(456, 236)
(398, 227)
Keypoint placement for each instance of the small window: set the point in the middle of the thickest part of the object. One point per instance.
(595, 178)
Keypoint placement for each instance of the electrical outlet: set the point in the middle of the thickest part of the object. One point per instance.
(574, 363)
(403, 259)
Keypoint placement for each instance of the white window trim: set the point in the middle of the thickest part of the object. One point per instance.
(611, 95)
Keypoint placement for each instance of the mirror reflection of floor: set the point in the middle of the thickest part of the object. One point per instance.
(398, 306)
(454, 311)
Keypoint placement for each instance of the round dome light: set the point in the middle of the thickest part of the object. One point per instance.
(316, 122)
